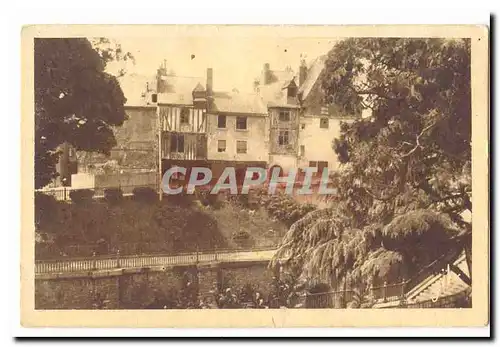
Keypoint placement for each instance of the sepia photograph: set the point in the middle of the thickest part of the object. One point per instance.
(272, 170)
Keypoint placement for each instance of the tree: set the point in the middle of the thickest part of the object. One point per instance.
(76, 100)
(406, 176)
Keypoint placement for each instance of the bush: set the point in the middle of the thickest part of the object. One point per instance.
(182, 199)
(206, 198)
(81, 196)
(285, 208)
(43, 200)
(241, 235)
(145, 194)
(45, 206)
(241, 200)
(113, 195)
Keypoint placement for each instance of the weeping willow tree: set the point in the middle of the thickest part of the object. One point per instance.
(405, 181)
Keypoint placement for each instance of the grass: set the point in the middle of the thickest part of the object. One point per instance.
(135, 227)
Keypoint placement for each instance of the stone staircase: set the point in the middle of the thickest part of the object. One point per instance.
(441, 285)
(434, 287)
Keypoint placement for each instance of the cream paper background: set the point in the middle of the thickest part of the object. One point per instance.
(475, 316)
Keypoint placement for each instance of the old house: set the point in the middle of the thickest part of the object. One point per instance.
(278, 90)
(319, 122)
(206, 128)
(182, 117)
(302, 125)
(133, 161)
(237, 132)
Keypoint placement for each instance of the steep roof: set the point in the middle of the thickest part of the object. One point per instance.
(313, 72)
(134, 86)
(179, 89)
(282, 75)
(275, 95)
(239, 103)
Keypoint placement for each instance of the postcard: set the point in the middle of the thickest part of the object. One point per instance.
(255, 176)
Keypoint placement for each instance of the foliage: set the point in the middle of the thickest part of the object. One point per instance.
(284, 208)
(145, 194)
(230, 297)
(241, 235)
(405, 180)
(360, 301)
(76, 101)
(135, 227)
(206, 199)
(182, 199)
(81, 196)
(285, 289)
(45, 205)
(241, 200)
(113, 195)
(188, 294)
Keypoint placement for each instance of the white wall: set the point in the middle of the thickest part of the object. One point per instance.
(317, 141)
(286, 162)
(83, 180)
(256, 136)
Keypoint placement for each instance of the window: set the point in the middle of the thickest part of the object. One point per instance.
(323, 123)
(241, 147)
(302, 150)
(284, 116)
(184, 115)
(221, 122)
(283, 138)
(177, 143)
(241, 123)
(221, 146)
(303, 126)
(177, 175)
(319, 164)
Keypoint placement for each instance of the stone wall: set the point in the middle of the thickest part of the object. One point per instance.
(132, 288)
(75, 293)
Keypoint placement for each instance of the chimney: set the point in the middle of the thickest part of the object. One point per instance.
(210, 82)
(266, 74)
(161, 84)
(302, 72)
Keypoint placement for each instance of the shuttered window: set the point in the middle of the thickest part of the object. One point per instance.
(221, 146)
(241, 147)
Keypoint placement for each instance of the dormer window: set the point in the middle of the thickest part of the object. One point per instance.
(292, 90)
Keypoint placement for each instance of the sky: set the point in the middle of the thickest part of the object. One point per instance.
(236, 60)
